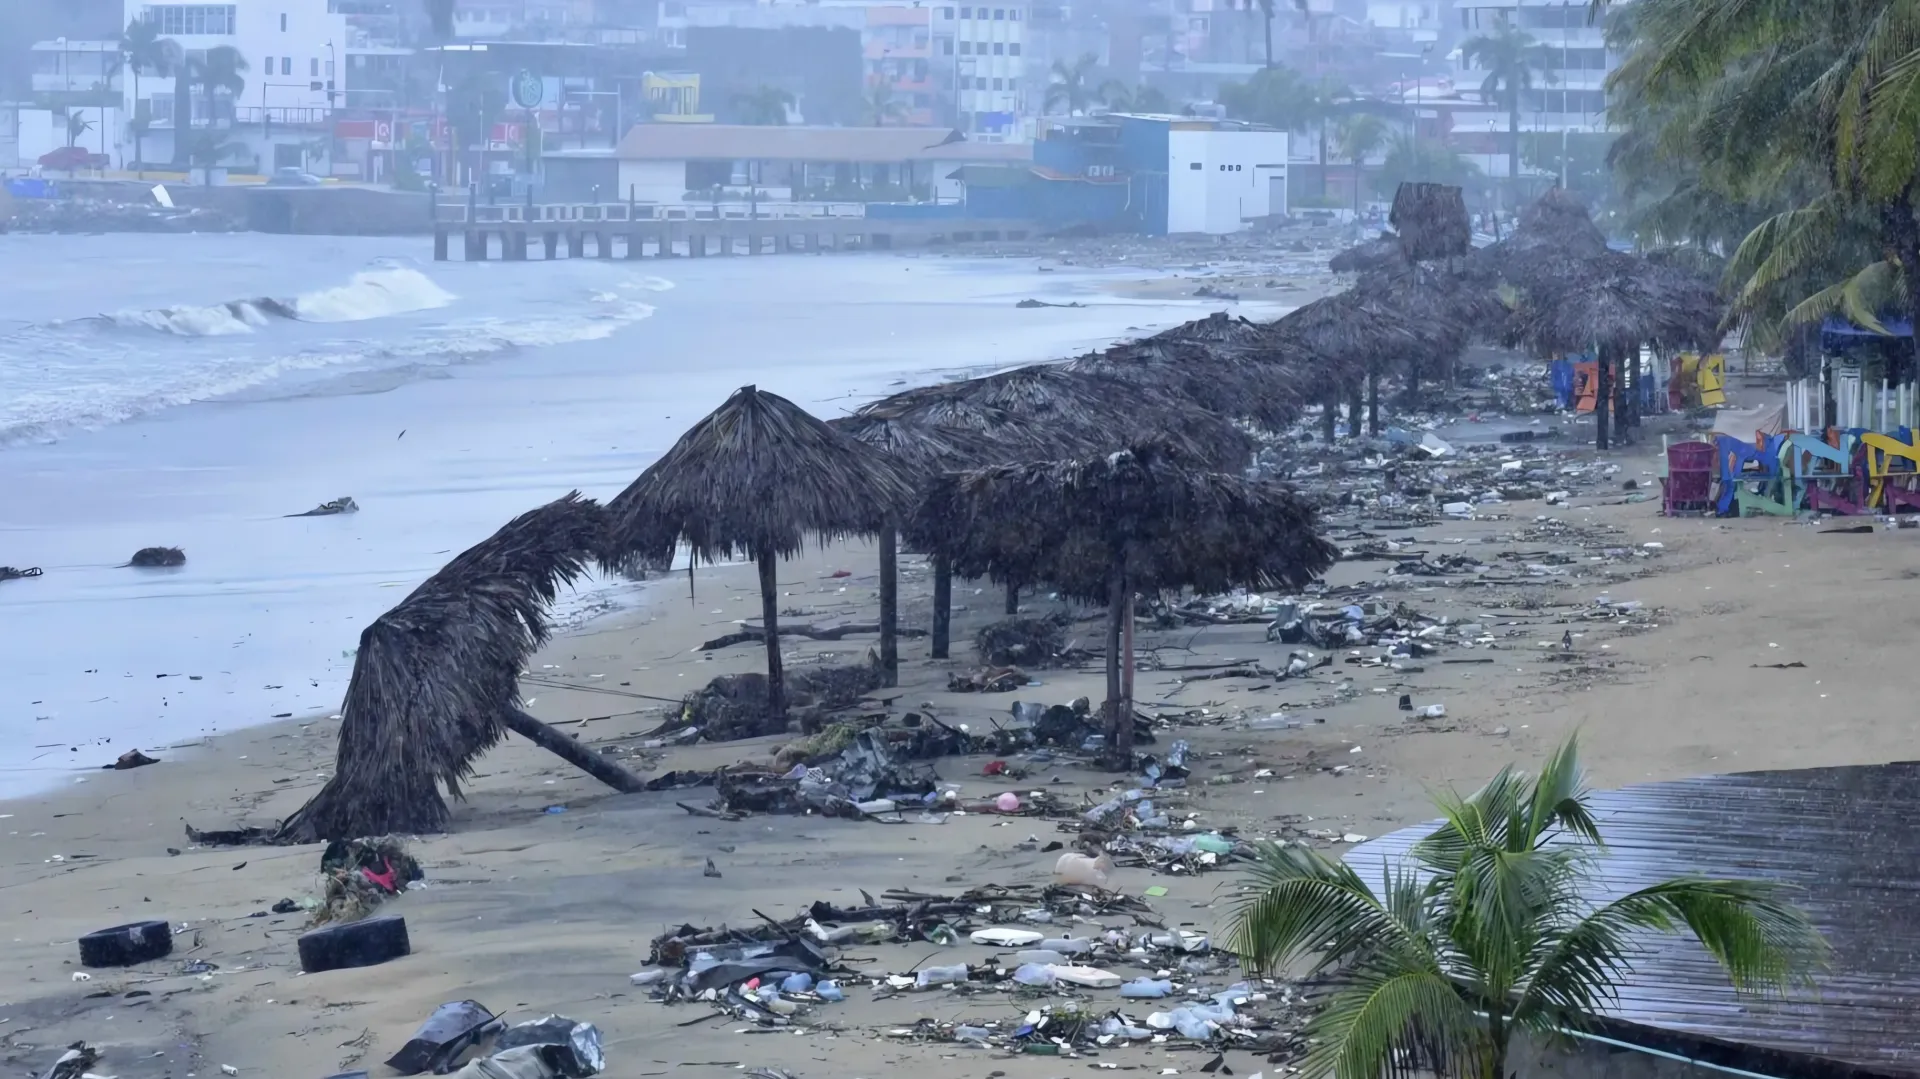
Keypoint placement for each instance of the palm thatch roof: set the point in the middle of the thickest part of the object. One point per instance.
(755, 477)
(1446, 310)
(435, 677)
(1618, 302)
(1378, 253)
(1432, 221)
(1176, 523)
(923, 449)
(1352, 329)
(1553, 233)
(1072, 412)
(1230, 380)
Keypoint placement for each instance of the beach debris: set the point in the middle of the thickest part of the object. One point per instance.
(1042, 303)
(1024, 642)
(987, 680)
(148, 557)
(132, 758)
(74, 1062)
(1080, 869)
(9, 573)
(445, 1037)
(734, 706)
(126, 945)
(364, 943)
(552, 1048)
(328, 509)
(360, 874)
(864, 774)
(711, 870)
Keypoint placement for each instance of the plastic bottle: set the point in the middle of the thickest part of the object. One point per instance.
(1082, 870)
(1213, 843)
(932, 976)
(1068, 945)
(797, 983)
(649, 976)
(971, 1034)
(1033, 974)
(1192, 1026)
(1146, 989)
(830, 991)
(1115, 1025)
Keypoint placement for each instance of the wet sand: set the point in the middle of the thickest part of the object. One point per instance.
(533, 912)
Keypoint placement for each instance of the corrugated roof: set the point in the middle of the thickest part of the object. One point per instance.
(741, 142)
(1845, 838)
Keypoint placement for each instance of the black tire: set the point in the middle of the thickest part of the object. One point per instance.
(125, 945)
(355, 944)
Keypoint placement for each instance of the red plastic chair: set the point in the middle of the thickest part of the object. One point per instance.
(1688, 484)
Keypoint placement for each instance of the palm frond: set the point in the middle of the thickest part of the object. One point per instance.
(1382, 1012)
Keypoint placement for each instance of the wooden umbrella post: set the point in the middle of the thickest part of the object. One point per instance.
(942, 606)
(768, 564)
(889, 606)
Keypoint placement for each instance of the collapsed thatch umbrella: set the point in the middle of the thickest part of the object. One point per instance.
(1228, 380)
(756, 477)
(923, 451)
(1355, 331)
(435, 681)
(1442, 311)
(1379, 253)
(1144, 518)
(1431, 220)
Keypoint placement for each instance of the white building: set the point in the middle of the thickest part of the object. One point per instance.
(295, 51)
(1571, 97)
(1419, 18)
(989, 68)
(1220, 177)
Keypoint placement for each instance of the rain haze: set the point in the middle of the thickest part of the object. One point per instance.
(836, 538)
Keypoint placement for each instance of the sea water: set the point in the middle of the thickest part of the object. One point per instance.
(192, 391)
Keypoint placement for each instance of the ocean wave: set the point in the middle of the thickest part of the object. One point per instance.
(370, 294)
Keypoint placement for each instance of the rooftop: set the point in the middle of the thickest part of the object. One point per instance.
(749, 142)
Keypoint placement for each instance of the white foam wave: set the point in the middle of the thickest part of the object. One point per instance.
(373, 294)
(219, 320)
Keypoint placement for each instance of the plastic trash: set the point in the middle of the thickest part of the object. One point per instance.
(649, 976)
(1004, 937)
(1069, 945)
(1080, 869)
(1042, 956)
(1192, 1026)
(932, 976)
(830, 991)
(1432, 711)
(1008, 802)
(1088, 977)
(575, 1052)
(1458, 509)
(878, 805)
(971, 1034)
(1116, 1026)
(451, 1030)
(1213, 843)
(797, 983)
(1034, 974)
(1147, 988)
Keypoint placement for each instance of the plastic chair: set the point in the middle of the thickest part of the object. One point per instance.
(1688, 485)
(1893, 470)
(1759, 491)
(1824, 476)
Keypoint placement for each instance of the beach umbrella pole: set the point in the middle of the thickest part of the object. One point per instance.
(942, 606)
(1354, 408)
(570, 750)
(1373, 402)
(1602, 399)
(768, 564)
(1013, 599)
(889, 606)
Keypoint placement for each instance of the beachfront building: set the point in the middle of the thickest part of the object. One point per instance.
(1567, 106)
(989, 69)
(673, 164)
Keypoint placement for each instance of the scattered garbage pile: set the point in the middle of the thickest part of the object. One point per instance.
(987, 680)
(734, 706)
(1025, 642)
(779, 973)
(554, 1047)
(100, 215)
(361, 874)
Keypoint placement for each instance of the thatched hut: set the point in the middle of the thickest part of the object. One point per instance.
(435, 681)
(923, 451)
(1379, 253)
(1432, 221)
(1356, 333)
(1443, 311)
(757, 477)
(1104, 527)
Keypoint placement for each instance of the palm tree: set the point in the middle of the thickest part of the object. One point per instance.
(766, 106)
(1120, 97)
(1510, 57)
(208, 147)
(1265, 8)
(1489, 933)
(1275, 96)
(1411, 160)
(143, 50)
(1361, 137)
(223, 68)
(1071, 85)
(77, 125)
(881, 104)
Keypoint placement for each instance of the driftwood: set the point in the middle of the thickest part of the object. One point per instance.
(570, 750)
(817, 633)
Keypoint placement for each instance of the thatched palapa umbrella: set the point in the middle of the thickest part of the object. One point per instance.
(435, 681)
(1103, 527)
(1431, 220)
(923, 451)
(756, 477)
(1355, 331)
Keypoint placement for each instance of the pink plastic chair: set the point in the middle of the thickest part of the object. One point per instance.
(1688, 485)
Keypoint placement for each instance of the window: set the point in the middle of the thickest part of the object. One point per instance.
(946, 46)
(996, 84)
(946, 13)
(966, 48)
(329, 69)
(966, 13)
(999, 49)
(1013, 48)
(269, 68)
(187, 20)
(1195, 166)
(286, 66)
(999, 14)
(283, 22)
(1013, 14)
(313, 67)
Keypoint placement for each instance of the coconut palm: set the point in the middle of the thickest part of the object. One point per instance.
(1265, 8)
(222, 68)
(1511, 58)
(1071, 84)
(881, 104)
(1490, 933)
(144, 51)
(766, 106)
(1361, 137)
(1120, 97)
(77, 125)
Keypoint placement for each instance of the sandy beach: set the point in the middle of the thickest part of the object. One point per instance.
(531, 911)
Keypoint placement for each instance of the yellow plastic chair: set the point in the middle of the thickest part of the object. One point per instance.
(1892, 468)
(1712, 380)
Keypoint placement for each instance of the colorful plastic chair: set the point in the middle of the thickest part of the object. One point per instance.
(1688, 485)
